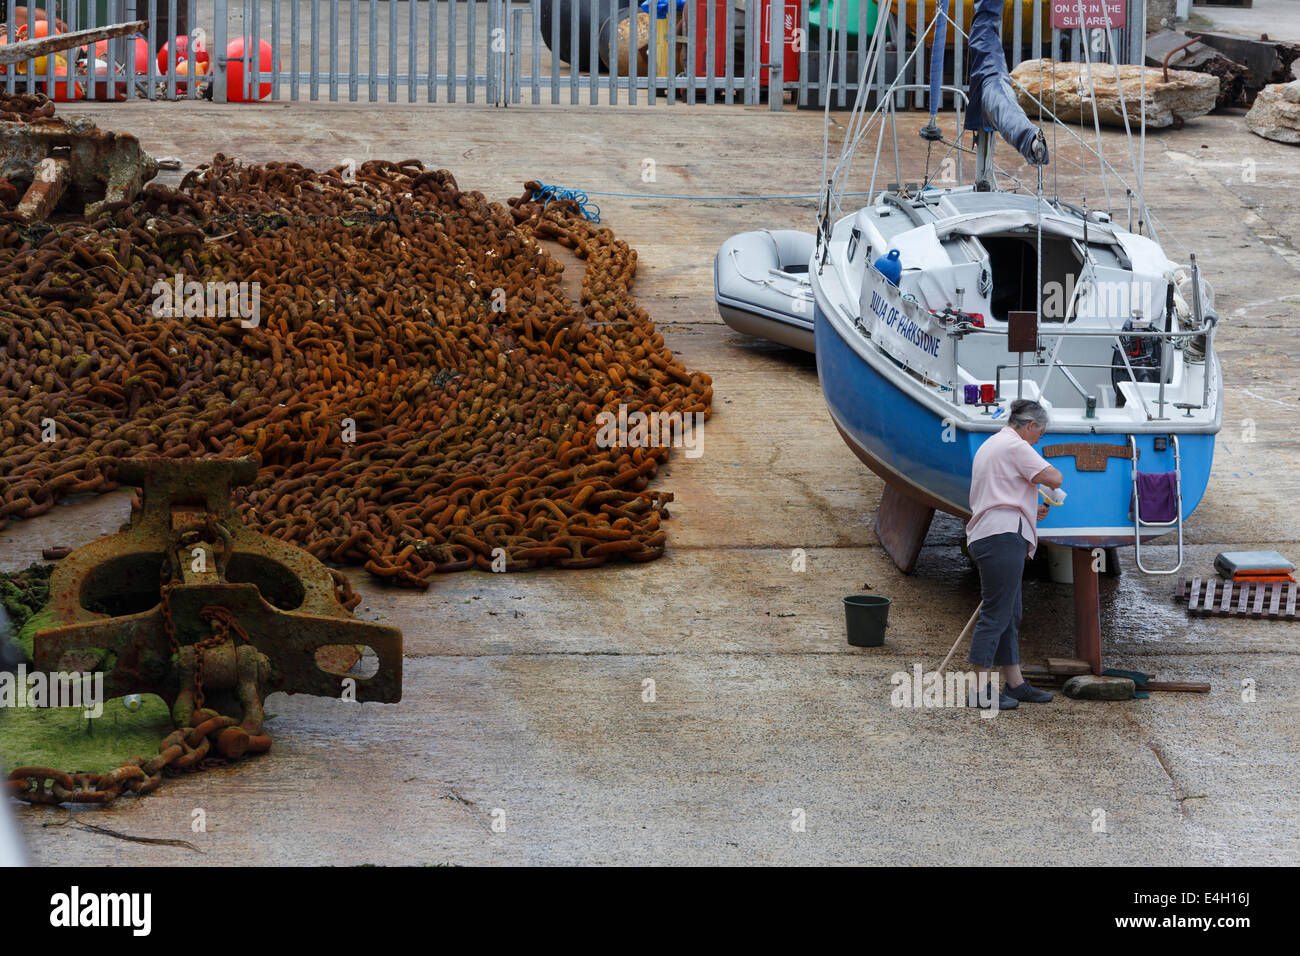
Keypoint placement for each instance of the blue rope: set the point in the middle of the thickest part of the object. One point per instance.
(590, 211)
(595, 192)
(550, 193)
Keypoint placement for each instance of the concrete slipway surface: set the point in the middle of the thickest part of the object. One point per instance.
(524, 693)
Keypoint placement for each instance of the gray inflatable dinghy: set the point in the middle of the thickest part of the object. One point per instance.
(760, 281)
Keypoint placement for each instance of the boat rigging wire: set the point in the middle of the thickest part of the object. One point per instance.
(931, 131)
(869, 66)
(826, 123)
(1123, 104)
(1038, 297)
(885, 101)
(1057, 124)
(860, 120)
(1096, 119)
(1087, 148)
(1142, 143)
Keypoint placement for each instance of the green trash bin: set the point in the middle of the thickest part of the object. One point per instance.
(852, 12)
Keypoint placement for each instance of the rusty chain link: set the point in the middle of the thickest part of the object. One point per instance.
(428, 319)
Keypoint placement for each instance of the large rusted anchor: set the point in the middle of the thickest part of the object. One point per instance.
(190, 604)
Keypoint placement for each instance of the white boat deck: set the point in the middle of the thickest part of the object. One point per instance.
(969, 259)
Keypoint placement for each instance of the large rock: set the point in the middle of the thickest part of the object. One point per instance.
(1092, 687)
(1067, 89)
(1276, 113)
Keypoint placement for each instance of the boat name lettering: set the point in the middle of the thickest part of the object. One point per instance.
(908, 329)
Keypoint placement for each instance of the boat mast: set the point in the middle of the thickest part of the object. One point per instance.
(984, 143)
(931, 132)
(993, 107)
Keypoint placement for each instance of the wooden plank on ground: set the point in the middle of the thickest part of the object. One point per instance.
(1068, 666)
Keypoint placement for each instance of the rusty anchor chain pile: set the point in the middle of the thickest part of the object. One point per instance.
(20, 108)
(24, 107)
(426, 319)
(212, 638)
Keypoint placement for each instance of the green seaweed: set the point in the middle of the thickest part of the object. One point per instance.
(25, 592)
(65, 739)
(27, 635)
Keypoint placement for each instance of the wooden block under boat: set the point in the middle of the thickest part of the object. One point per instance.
(1068, 666)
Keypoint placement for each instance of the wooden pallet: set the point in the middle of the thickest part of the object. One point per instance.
(1205, 596)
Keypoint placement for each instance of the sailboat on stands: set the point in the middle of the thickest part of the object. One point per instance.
(934, 307)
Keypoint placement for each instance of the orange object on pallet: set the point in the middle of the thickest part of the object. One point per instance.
(1262, 577)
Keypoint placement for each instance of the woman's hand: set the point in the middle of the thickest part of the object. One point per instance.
(1042, 512)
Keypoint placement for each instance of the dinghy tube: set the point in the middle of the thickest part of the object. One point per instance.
(760, 282)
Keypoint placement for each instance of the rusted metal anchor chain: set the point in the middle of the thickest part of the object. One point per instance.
(421, 395)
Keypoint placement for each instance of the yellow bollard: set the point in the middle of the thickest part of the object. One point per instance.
(663, 48)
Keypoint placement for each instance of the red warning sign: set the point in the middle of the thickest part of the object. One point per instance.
(1065, 14)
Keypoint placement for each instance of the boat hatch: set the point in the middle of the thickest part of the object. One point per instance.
(1013, 262)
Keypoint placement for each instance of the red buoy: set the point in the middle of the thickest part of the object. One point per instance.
(235, 70)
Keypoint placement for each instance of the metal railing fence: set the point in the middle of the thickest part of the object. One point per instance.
(501, 51)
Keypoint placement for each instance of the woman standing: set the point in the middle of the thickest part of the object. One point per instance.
(1002, 531)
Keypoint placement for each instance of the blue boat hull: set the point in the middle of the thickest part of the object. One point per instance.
(913, 447)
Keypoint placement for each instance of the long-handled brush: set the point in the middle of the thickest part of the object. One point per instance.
(965, 633)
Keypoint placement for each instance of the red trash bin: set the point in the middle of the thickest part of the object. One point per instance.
(720, 38)
(791, 39)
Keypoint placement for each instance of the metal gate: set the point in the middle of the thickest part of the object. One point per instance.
(501, 51)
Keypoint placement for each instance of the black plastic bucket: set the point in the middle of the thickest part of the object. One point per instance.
(866, 616)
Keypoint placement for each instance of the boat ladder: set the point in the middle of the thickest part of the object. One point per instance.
(1139, 524)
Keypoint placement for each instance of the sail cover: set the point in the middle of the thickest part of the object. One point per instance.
(992, 100)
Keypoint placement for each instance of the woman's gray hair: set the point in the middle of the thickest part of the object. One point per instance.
(1023, 411)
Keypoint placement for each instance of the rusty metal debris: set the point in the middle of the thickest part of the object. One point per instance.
(190, 604)
(426, 319)
(64, 162)
(24, 49)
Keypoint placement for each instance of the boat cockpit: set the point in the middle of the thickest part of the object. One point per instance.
(1108, 342)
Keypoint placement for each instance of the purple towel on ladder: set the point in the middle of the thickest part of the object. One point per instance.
(1158, 495)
